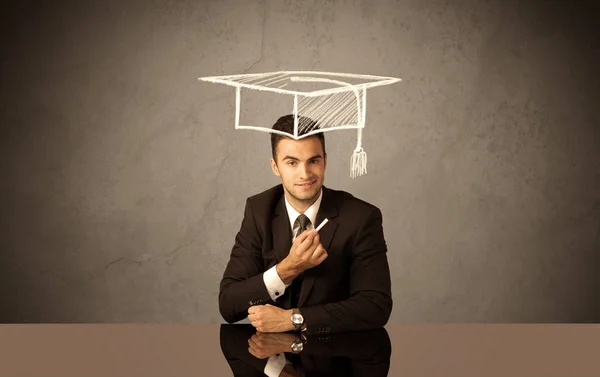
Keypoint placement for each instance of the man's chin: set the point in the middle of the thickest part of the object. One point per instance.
(300, 194)
(307, 195)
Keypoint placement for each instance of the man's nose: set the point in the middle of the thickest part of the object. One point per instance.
(305, 170)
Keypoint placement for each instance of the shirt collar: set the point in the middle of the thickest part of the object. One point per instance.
(311, 212)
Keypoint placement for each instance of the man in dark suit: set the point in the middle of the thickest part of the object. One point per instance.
(283, 274)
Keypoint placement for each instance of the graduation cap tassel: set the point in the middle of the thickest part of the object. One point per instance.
(359, 158)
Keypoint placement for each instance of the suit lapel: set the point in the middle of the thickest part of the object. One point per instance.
(327, 210)
(282, 234)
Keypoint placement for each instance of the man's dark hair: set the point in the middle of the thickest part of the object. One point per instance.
(286, 124)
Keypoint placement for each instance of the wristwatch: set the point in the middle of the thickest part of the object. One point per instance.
(297, 319)
(298, 344)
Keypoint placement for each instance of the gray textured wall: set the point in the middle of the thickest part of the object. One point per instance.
(123, 179)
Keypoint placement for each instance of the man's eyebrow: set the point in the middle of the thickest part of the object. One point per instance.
(296, 159)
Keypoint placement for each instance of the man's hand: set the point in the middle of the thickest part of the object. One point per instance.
(269, 318)
(266, 345)
(306, 252)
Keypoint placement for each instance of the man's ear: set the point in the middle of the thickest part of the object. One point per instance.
(324, 160)
(274, 167)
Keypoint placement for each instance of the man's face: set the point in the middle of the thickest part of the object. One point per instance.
(301, 166)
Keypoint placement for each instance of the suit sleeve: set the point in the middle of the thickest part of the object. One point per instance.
(242, 284)
(370, 303)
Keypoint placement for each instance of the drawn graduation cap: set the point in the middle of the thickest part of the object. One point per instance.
(334, 101)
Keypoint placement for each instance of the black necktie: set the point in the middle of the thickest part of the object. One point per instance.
(304, 222)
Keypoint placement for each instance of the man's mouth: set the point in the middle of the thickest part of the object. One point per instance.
(306, 185)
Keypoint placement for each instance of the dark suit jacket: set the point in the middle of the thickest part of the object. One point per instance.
(349, 291)
(359, 353)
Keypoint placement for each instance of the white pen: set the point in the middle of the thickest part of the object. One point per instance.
(322, 224)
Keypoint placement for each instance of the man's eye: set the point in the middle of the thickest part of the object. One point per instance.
(315, 161)
(291, 163)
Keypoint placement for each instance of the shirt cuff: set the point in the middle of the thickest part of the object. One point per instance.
(275, 286)
(275, 365)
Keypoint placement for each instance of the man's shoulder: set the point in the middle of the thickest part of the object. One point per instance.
(351, 203)
(270, 195)
(265, 203)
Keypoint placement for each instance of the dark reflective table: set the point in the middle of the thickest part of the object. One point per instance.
(365, 353)
(428, 350)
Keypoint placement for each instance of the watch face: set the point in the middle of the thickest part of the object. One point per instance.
(297, 347)
(297, 318)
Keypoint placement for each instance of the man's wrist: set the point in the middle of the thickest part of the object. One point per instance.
(288, 317)
(285, 272)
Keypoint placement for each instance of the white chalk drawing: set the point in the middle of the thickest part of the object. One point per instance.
(341, 103)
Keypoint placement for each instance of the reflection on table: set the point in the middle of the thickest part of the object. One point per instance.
(250, 353)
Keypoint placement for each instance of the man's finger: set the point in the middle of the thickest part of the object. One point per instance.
(319, 249)
(252, 343)
(310, 235)
(308, 241)
(313, 245)
(255, 309)
(252, 309)
(302, 237)
(253, 352)
(317, 252)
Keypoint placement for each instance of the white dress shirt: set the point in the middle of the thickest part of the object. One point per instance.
(275, 365)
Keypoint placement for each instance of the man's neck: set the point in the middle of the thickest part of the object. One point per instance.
(300, 205)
